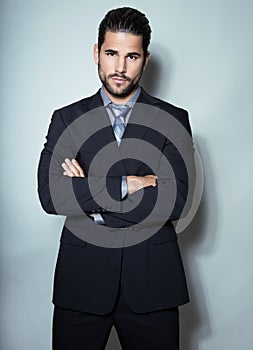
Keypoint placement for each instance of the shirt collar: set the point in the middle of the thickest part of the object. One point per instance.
(107, 100)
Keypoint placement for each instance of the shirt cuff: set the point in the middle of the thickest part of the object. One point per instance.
(98, 219)
(124, 189)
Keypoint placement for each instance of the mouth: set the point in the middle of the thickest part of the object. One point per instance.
(118, 80)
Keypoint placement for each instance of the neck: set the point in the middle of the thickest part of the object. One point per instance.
(120, 99)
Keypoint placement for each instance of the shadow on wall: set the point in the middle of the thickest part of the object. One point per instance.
(196, 245)
(157, 76)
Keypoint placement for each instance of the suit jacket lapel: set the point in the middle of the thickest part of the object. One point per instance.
(102, 122)
(95, 104)
(144, 114)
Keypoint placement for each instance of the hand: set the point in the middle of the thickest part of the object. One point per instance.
(72, 168)
(135, 183)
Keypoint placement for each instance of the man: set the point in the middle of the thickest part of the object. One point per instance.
(135, 286)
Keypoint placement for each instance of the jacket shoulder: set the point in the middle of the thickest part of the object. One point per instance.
(155, 101)
(168, 107)
(179, 113)
(75, 109)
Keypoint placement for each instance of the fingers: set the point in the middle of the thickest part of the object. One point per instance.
(76, 164)
(72, 168)
(151, 180)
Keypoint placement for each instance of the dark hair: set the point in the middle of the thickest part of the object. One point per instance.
(128, 20)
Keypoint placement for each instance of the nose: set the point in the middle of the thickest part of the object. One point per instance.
(121, 65)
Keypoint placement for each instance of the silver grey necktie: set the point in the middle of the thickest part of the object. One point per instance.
(119, 113)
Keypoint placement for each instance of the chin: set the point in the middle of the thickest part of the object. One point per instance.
(119, 92)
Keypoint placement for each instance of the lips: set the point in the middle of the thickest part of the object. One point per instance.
(119, 80)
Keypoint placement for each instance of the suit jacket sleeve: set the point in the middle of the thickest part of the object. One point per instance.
(64, 195)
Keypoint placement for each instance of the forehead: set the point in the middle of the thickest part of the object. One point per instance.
(122, 41)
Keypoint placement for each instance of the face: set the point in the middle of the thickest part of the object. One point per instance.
(120, 63)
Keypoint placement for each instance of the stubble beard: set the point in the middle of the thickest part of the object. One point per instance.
(131, 87)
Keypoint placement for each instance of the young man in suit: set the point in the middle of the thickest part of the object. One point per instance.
(133, 278)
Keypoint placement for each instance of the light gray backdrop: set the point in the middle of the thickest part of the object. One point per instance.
(202, 61)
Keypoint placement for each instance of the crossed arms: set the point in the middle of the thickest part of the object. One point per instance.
(134, 183)
(64, 187)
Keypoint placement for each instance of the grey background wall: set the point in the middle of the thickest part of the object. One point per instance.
(201, 60)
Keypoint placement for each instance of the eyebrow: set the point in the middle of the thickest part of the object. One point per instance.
(128, 54)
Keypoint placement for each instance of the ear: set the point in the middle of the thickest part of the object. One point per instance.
(147, 58)
(96, 53)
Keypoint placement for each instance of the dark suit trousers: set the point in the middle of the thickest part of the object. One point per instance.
(157, 330)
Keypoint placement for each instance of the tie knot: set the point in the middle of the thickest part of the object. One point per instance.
(120, 106)
(119, 110)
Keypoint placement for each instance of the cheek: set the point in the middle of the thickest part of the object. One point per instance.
(107, 60)
(136, 71)
(105, 65)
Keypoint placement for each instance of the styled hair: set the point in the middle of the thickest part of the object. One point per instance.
(127, 20)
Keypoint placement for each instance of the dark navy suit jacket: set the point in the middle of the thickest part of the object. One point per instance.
(87, 276)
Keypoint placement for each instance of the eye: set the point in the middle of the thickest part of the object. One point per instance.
(110, 54)
(132, 57)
